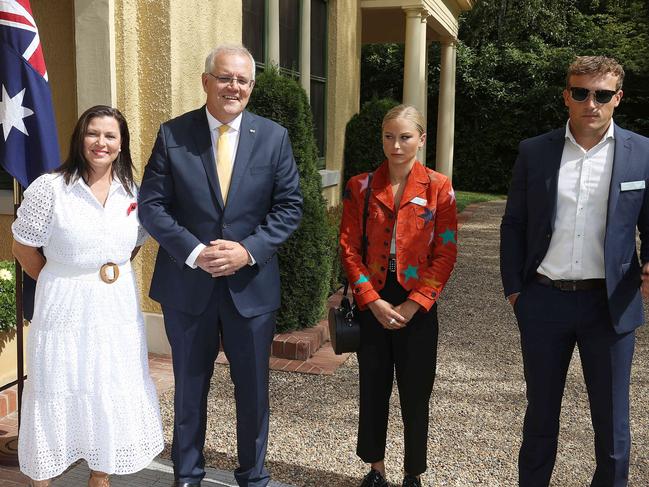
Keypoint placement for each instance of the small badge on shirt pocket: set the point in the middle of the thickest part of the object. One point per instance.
(631, 185)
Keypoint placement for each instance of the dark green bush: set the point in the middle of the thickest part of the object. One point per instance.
(306, 258)
(363, 147)
(7, 296)
(334, 214)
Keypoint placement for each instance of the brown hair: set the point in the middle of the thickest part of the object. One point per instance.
(75, 165)
(407, 112)
(595, 65)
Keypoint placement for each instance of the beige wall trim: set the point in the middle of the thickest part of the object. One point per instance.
(446, 110)
(343, 82)
(273, 32)
(156, 337)
(305, 48)
(95, 53)
(444, 13)
(446, 18)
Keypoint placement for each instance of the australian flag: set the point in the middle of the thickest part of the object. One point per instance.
(28, 141)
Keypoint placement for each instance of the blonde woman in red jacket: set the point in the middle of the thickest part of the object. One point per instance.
(411, 251)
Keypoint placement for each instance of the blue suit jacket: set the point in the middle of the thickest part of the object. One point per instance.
(527, 225)
(180, 205)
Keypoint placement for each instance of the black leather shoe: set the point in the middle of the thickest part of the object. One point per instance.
(187, 484)
(410, 481)
(374, 479)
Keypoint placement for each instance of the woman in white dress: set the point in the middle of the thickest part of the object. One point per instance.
(88, 394)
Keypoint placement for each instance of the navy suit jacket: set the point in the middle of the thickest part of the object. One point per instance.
(180, 205)
(527, 225)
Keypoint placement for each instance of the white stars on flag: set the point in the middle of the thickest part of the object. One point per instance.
(12, 112)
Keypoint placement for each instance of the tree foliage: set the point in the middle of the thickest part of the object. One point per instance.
(511, 63)
(306, 258)
(363, 148)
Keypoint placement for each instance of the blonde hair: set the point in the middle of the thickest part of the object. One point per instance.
(407, 112)
(595, 65)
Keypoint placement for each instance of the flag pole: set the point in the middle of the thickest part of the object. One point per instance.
(9, 445)
(20, 365)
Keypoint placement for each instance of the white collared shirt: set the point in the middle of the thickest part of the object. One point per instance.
(233, 138)
(577, 246)
(232, 133)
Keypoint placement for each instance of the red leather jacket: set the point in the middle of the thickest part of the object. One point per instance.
(426, 234)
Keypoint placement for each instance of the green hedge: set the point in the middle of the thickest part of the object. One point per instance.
(363, 146)
(334, 215)
(7, 296)
(306, 258)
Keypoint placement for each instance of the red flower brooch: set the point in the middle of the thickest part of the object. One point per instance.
(131, 207)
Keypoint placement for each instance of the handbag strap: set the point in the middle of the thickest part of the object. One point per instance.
(366, 212)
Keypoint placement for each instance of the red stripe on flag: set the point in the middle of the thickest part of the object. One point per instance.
(19, 19)
(25, 4)
(38, 61)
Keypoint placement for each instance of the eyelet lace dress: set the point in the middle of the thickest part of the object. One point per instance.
(88, 393)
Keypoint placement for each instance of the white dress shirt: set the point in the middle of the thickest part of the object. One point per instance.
(577, 246)
(233, 138)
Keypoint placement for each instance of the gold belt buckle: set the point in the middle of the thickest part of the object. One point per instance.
(103, 272)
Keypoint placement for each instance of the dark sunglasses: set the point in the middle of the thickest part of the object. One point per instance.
(582, 94)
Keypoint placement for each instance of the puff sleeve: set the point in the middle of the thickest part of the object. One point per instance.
(33, 224)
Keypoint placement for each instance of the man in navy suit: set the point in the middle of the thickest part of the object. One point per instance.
(220, 194)
(571, 271)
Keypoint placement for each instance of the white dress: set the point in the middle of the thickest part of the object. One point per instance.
(88, 393)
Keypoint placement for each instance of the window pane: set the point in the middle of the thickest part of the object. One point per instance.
(254, 27)
(318, 38)
(289, 34)
(318, 89)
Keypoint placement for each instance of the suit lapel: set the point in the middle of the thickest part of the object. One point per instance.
(247, 136)
(203, 140)
(551, 166)
(621, 166)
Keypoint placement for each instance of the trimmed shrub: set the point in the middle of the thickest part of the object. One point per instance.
(334, 215)
(363, 147)
(305, 259)
(7, 296)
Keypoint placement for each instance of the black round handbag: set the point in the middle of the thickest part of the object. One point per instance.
(344, 327)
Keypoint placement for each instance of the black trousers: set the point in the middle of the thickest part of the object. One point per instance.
(412, 353)
(552, 323)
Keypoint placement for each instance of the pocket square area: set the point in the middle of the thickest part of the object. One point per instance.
(631, 185)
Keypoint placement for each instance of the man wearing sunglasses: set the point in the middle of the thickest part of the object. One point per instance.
(571, 272)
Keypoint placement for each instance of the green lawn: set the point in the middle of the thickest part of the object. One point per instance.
(465, 198)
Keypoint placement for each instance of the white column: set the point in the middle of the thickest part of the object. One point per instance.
(423, 88)
(305, 48)
(446, 110)
(273, 32)
(95, 53)
(413, 69)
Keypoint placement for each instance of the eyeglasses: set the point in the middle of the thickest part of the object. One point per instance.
(227, 80)
(582, 94)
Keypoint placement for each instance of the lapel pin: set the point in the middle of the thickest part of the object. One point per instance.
(252, 131)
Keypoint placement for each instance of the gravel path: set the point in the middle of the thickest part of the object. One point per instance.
(476, 409)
